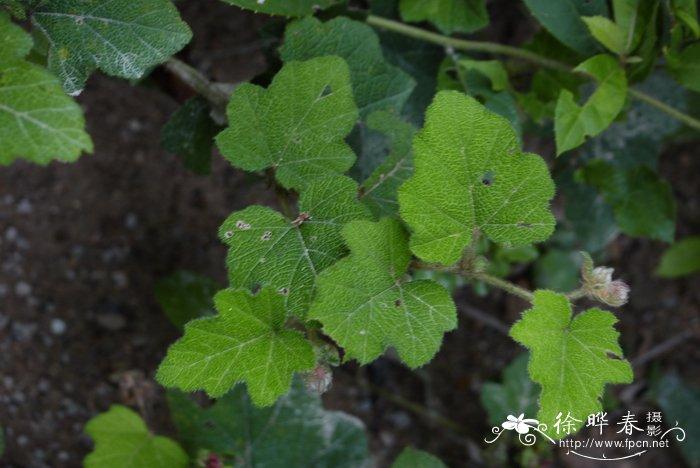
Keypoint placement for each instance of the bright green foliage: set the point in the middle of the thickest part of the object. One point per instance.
(295, 432)
(516, 395)
(268, 249)
(365, 302)
(562, 18)
(122, 439)
(413, 458)
(380, 189)
(486, 182)
(643, 203)
(38, 121)
(376, 84)
(294, 8)
(189, 133)
(122, 38)
(622, 35)
(448, 15)
(570, 356)
(185, 296)
(685, 66)
(686, 11)
(247, 342)
(607, 33)
(681, 259)
(572, 123)
(296, 126)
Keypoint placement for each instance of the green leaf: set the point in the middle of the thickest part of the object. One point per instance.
(122, 38)
(268, 249)
(449, 16)
(185, 296)
(297, 126)
(485, 182)
(492, 69)
(681, 259)
(294, 8)
(562, 18)
(607, 33)
(122, 439)
(379, 190)
(190, 134)
(15, 8)
(685, 66)
(414, 458)
(247, 342)
(376, 84)
(572, 123)
(16, 43)
(296, 431)
(686, 11)
(570, 356)
(516, 395)
(365, 304)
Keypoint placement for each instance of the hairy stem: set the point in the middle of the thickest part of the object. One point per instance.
(576, 294)
(198, 82)
(515, 52)
(505, 285)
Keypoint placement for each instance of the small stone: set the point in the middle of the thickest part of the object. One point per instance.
(23, 289)
(11, 234)
(111, 321)
(58, 326)
(24, 206)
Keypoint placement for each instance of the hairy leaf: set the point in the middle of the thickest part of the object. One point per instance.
(681, 259)
(296, 126)
(572, 123)
(376, 84)
(247, 342)
(448, 15)
(516, 395)
(296, 431)
(122, 439)
(413, 458)
(295, 8)
(365, 304)
(572, 358)
(267, 249)
(485, 182)
(122, 38)
(185, 296)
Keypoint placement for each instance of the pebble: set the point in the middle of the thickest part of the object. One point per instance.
(58, 326)
(24, 206)
(111, 321)
(23, 288)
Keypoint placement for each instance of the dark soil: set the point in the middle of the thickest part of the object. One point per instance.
(82, 245)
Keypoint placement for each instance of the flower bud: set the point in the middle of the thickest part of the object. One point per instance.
(599, 285)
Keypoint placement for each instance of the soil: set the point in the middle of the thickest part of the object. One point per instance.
(82, 245)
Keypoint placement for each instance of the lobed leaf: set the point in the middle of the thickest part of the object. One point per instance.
(295, 8)
(449, 16)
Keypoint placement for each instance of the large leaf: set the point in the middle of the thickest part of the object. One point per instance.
(247, 342)
(297, 126)
(517, 394)
(448, 15)
(122, 439)
(267, 249)
(122, 38)
(376, 84)
(572, 357)
(283, 7)
(413, 458)
(296, 431)
(470, 173)
(681, 259)
(572, 123)
(365, 303)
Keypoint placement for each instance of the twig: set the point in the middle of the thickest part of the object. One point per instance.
(663, 347)
(198, 82)
(507, 286)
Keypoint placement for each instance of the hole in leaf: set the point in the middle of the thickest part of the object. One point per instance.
(487, 178)
(326, 91)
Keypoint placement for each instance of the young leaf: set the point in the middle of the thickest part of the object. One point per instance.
(448, 15)
(572, 358)
(413, 458)
(681, 259)
(572, 123)
(485, 182)
(297, 126)
(607, 33)
(247, 342)
(376, 84)
(296, 431)
(267, 249)
(516, 395)
(365, 304)
(294, 8)
(122, 439)
(185, 296)
(122, 38)
(379, 190)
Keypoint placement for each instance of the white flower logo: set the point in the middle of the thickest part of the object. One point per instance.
(521, 425)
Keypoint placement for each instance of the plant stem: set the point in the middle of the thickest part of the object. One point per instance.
(515, 52)
(576, 294)
(198, 82)
(507, 286)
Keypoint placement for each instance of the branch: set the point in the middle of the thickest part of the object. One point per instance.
(216, 96)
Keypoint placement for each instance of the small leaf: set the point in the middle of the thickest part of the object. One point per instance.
(247, 342)
(681, 259)
(297, 126)
(516, 395)
(486, 182)
(121, 38)
(607, 33)
(376, 84)
(572, 358)
(449, 16)
(413, 458)
(365, 304)
(122, 439)
(267, 249)
(685, 66)
(572, 123)
(295, 432)
(294, 8)
(185, 296)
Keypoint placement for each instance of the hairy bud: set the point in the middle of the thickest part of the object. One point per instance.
(598, 284)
